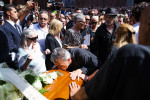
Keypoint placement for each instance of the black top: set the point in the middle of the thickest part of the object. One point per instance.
(103, 41)
(123, 77)
(70, 24)
(50, 43)
(4, 50)
(82, 57)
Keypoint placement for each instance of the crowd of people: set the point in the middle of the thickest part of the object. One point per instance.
(98, 45)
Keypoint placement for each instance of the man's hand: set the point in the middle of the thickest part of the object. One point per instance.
(73, 88)
(47, 51)
(49, 5)
(75, 74)
(83, 46)
(84, 77)
(30, 4)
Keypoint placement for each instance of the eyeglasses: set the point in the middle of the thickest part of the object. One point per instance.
(93, 22)
(33, 38)
(88, 19)
(43, 19)
(82, 22)
(52, 16)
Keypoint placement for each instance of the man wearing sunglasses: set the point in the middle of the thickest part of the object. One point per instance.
(41, 28)
(86, 32)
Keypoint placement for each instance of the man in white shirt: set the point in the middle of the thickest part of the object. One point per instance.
(41, 28)
(136, 14)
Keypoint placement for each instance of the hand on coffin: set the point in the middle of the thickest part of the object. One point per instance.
(75, 74)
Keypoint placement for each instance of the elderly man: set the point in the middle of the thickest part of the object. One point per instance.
(41, 28)
(86, 32)
(78, 60)
(73, 37)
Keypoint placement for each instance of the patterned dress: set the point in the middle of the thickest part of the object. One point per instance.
(72, 38)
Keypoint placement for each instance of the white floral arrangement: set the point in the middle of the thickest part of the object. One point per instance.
(48, 78)
(9, 92)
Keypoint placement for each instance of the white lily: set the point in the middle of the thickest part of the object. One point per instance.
(52, 75)
(48, 80)
(37, 85)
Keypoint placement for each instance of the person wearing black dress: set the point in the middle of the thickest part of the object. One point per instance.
(53, 40)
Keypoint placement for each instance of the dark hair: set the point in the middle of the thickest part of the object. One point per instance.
(7, 7)
(137, 10)
(76, 9)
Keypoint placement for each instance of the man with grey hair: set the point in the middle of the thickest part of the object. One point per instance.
(77, 61)
(41, 28)
(73, 37)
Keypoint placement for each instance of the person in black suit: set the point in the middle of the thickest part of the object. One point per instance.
(53, 40)
(76, 60)
(4, 51)
(11, 30)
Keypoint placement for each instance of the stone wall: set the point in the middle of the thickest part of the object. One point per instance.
(100, 3)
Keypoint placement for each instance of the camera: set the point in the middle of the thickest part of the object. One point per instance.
(55, 5)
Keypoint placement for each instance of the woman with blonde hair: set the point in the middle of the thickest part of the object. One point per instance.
(53, 40)
(125, 34)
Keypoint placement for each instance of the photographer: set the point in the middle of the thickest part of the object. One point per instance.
(54, 7)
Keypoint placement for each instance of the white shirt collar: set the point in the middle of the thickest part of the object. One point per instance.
(12, 23)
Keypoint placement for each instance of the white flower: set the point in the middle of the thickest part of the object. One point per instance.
(9, 87)
(48, 80)
(37, 85)
(13, 96)
(2, 92)
(52, 75)
(43, 75)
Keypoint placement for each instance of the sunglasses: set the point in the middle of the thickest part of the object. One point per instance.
(93, 22)
(43, 19)
(33, 38)
(82, 22)
(87, 19)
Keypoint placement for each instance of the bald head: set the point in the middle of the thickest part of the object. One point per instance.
(52, 16)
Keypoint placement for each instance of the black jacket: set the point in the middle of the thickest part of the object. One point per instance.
(4, 50)
(123, 77)
(13, 36)
(103, 42)
(83, 58)
(50, 43)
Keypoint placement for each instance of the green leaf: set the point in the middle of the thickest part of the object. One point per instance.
(2, 82)
(30, 78)
(43, 90)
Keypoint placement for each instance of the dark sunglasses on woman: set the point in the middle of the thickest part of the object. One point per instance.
(33, 38)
